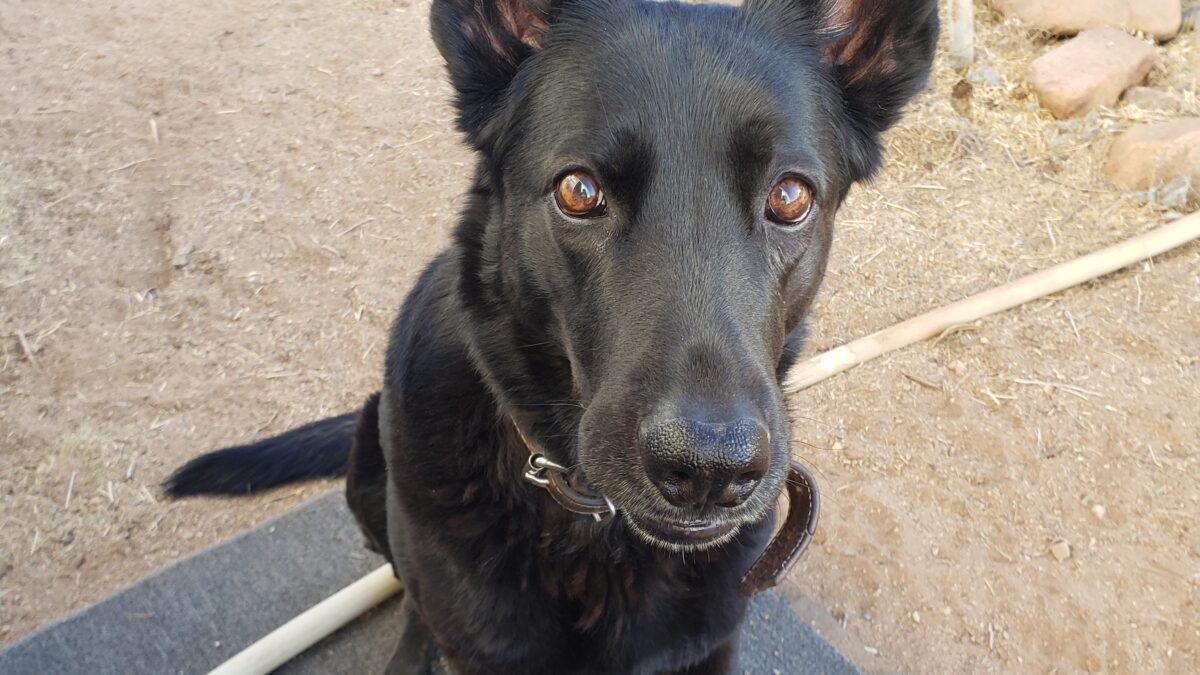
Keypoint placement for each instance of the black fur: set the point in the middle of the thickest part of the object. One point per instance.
(681, 302)
(315, 450)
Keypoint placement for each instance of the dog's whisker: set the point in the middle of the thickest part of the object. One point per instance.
(814, 447)
(561, 404)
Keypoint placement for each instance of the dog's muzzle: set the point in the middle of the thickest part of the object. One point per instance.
(571, 491)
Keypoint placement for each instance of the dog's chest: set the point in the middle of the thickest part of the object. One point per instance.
(605, 610)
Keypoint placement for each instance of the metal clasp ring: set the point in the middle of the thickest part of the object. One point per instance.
(538, 465)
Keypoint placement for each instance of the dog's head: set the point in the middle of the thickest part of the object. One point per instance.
(651, 218)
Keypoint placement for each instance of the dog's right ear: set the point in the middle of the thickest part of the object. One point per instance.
(879, 51)
(484, 43)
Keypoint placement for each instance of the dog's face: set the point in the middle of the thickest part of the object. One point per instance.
(651, 220)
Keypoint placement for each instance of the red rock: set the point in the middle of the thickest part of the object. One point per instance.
(1150, 155)
(1160, 18)
(1090, 71)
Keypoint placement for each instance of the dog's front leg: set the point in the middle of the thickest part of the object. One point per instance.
(415, 653)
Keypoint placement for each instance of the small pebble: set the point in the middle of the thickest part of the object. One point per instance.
(1061, 550)
(1099, 511)
(180, 259)
(916, 616)
(1174, 194)
(985, 75)
(1191, 19)
(838, 446)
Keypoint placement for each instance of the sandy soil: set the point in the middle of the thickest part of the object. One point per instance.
(209, 212)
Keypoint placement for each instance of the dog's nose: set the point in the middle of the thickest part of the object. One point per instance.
(699, 463)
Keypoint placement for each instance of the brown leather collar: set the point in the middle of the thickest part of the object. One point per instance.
(804, 508)
(565, 485)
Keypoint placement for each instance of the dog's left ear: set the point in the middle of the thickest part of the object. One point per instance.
(484, 43)
(880, 51)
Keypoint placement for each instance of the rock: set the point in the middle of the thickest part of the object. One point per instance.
(1099, 511)
(985, 75)
(1191, 19)
(1160, 18)
(182, 254)
(1090, 71)
(1175, 194)
(1061, 550)
(1150, 156)
(1153, 100)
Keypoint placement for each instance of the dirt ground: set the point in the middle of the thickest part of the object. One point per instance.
(209, 212)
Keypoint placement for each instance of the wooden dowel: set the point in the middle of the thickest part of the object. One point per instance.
(307, 629)
(962, 33)
(1036, 285)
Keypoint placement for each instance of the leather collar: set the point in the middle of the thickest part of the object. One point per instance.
(799, 526)
(567, 487)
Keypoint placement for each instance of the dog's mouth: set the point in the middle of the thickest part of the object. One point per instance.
(692, 535)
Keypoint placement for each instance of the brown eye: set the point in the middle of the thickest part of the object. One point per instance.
(790, 201)
(579, 196)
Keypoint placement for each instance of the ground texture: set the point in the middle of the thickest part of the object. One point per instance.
(209, 212)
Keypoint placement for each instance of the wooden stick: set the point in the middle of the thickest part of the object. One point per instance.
(307, 629)
(1036, 285)
(962, 33)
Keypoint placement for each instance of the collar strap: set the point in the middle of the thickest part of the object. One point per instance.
(560, 482)
(568, 488)
(804, 509)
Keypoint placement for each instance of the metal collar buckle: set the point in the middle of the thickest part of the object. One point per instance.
(555, 479)
(538, 465)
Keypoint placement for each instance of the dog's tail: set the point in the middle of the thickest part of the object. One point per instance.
(316, 450)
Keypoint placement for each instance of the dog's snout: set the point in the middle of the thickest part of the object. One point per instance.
(697, 463)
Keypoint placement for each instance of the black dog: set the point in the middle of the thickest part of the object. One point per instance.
(650, 218)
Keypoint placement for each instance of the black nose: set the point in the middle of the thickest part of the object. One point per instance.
(699, 463)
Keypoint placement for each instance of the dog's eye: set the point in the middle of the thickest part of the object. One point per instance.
(790, 201)
(578, 195)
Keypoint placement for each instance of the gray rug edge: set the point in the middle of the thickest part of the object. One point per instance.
(222, 598)
(166, 570)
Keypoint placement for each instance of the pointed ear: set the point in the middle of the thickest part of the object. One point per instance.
(881, 52)
(484, 43)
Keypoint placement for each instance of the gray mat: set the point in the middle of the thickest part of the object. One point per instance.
(191, 616)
